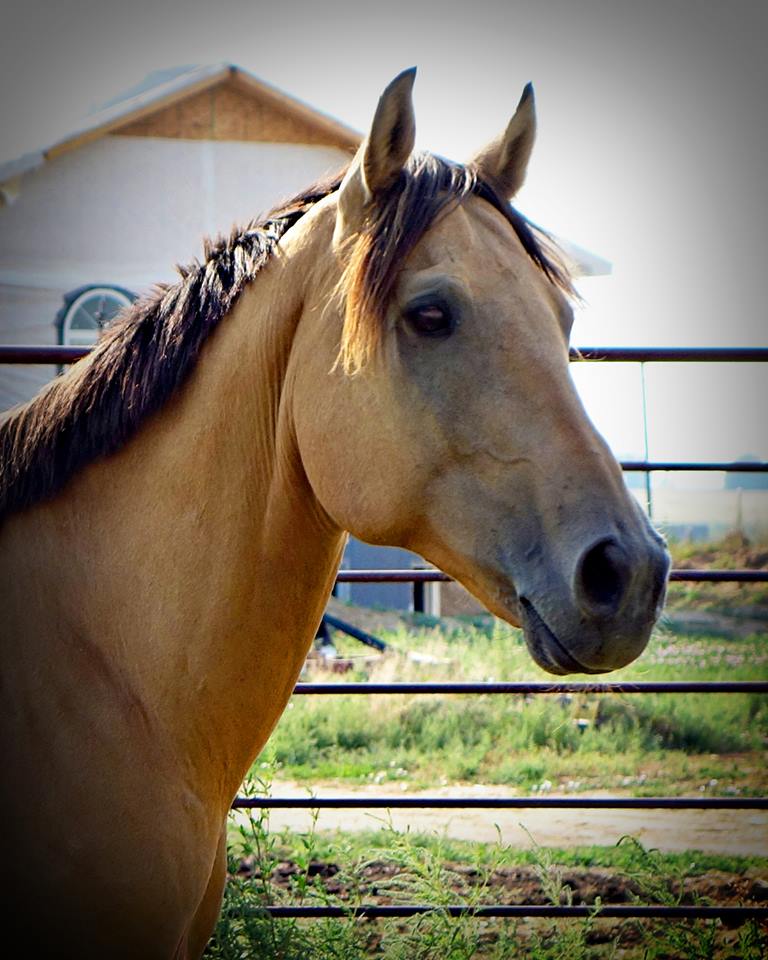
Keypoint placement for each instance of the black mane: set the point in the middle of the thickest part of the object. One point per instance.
(152, 347)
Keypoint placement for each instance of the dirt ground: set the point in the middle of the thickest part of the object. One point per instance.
(738, 832)
(523, 884)
(380, 882)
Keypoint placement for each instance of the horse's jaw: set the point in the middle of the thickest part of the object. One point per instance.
(563, 651)
(545, 648)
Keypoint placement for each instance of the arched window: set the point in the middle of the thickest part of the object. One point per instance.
(87, 311)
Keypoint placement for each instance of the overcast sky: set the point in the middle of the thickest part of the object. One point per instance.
(652, 119)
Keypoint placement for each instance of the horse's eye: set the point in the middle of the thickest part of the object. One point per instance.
(430, 320)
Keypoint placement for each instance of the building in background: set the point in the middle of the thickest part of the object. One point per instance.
(107, 211)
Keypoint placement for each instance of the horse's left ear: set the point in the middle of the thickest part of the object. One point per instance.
(504, 161)
(381, 156)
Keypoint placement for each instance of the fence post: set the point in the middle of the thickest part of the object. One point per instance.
(426, 596)
(648, 494)
(418, 595)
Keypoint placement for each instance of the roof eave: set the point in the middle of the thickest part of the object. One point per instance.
(119, 116)
(182, 87)
(13, 169)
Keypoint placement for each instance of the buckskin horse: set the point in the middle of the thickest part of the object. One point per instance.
(385, 355)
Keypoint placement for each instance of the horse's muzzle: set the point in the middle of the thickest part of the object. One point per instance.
(615, 599)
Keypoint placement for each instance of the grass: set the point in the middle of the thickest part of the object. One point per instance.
(734, 599)
(438, 871)
(638, 743)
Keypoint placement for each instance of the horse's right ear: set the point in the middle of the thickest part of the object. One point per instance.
(381, 157)
(505, 160)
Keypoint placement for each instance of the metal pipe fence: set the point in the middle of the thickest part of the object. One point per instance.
(731, 915)
(55, 353)
(501, 803)
(527, 688)
(437, 576)
(13, 354)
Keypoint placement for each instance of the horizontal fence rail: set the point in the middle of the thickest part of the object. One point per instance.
(27, 353)
(538, 687)
(725, 466)
(433, 576)
(501, 803)
(22, 353)
(720, 576)
(672, 354)
(734, 915)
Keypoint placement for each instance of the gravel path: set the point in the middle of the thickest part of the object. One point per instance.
(740, 832)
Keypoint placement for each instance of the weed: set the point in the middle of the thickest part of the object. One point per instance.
(439, 872)
(693, 939)
(595, 739)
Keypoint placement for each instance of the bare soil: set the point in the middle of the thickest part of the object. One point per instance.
(377, 881)
(380, 882)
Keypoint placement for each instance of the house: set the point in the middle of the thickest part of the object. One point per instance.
(107, 211)
(104, 213)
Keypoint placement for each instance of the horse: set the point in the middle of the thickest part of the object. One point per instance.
(385, 355)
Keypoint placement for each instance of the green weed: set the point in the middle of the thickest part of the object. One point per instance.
(592, 740)
(423, 869)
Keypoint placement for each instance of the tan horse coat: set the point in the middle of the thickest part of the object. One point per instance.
(156, 612)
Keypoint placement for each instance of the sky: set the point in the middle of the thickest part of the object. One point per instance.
(651, 150)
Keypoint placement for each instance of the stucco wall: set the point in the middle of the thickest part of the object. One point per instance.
(122, 211)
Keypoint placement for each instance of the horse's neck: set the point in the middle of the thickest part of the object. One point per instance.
(197, 558)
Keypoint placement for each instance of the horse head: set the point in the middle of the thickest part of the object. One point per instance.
(433, 404)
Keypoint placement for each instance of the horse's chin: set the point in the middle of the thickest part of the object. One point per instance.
(544, 647)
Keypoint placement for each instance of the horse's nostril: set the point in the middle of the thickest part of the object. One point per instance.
(602, 577)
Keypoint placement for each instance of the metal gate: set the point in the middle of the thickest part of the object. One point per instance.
(62, 355)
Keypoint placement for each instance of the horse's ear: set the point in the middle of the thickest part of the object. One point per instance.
(381, 156)
(504, 161)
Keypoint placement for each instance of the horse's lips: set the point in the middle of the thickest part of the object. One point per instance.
(544, 646)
